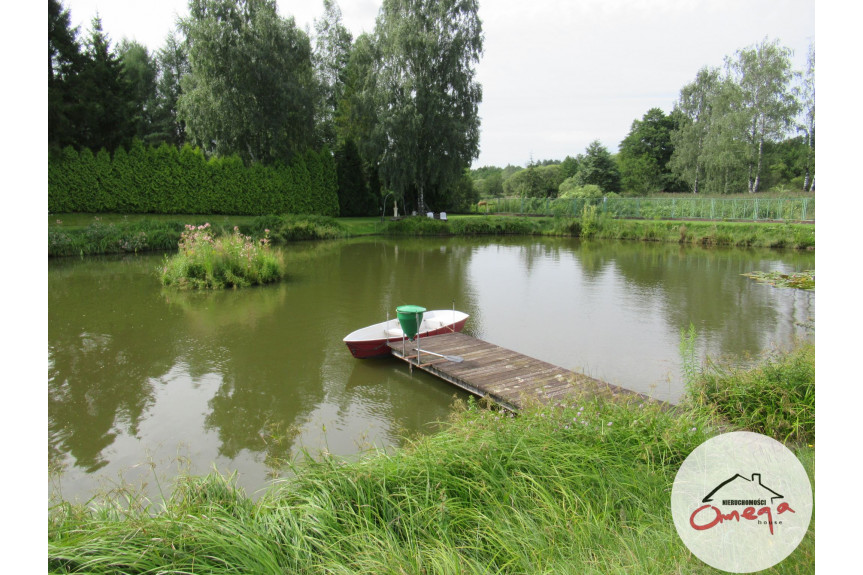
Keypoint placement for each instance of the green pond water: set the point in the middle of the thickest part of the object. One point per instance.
(144, 381)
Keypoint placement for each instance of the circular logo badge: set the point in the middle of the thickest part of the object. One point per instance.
(741, 502)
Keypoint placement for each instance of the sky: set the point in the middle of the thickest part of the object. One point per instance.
(556, 74)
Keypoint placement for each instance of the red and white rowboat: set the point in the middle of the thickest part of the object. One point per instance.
(373, 341)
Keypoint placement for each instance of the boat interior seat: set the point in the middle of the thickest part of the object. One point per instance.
(394, 332)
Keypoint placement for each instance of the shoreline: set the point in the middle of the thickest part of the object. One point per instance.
(117, 234)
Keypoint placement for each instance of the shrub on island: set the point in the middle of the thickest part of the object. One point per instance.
(208, 262)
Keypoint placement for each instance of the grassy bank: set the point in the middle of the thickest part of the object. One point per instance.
(582, 486)
(77, 234)
(82, 234)
(766, 235)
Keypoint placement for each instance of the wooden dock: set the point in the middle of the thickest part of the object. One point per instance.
(506, 377)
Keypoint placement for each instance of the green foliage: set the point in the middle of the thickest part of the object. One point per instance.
(167, 181)
(581, 485)
(426, 97)
(589, 221)
(140, 70)
(488, 181)
(418, 226)
(728, 123)
(99, 237)
(493, 226)
(290, 228)
(250, 90)
(173, 63)
(462, 196)
(65, 61)
(599, 168)
(570, 189)
(535, 182)
(804, 280)
(205, 261)
(777, 398)
(355, 197)
(645, 153)
(106, 98)
(331, 57)
(768, 105)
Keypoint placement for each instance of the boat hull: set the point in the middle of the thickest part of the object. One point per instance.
(373, 341)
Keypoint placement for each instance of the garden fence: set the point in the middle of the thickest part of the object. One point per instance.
(752, 209)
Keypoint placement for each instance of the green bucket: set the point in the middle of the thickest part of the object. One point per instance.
(410, 318)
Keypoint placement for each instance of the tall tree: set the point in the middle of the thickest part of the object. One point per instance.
(356, 114)
(140, 71)
(427, 129)
(64, 64)
(807, 126)
(725, 154)
(173, 64)
(331, 56)
(355, 198)
(107, 101)
(764, 74)
(597, 167)
(250, 91)
(645, 153)
(695, 108)
(569, 167)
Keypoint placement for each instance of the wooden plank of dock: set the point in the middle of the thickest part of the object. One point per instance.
(509, 378)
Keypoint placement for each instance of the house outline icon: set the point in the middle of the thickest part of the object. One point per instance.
(738, 482)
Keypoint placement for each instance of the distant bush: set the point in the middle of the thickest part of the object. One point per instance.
(569, 190)
(494, 226)
(109, 238)
(290, 228)
(418, 226)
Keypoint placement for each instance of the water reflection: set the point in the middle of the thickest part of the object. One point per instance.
(244, 379)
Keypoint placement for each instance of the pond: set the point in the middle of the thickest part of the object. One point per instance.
(144, 381)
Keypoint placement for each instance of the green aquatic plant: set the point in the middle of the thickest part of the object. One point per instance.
(205, 261)
(804, 280)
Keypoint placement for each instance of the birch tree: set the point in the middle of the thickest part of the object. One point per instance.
(331, 56)
(427, 129)
(695, 107)
(250, 91)
(764, 74)
(807, 126)
(173, 64)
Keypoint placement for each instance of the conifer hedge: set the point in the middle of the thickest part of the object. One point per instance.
(168, 180)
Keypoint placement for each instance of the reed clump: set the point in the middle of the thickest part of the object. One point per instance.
(775, 398)
(206, 261)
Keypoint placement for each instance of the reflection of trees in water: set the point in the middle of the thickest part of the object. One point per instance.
(705, 286)
(103, 350)
(263, 391)
(277, 350)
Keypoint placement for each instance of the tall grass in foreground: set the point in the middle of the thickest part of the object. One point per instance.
(579, 487)
(776, 398)
(207, 262)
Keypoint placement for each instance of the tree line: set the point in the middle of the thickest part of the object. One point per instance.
(748, 127)
(398, 106)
